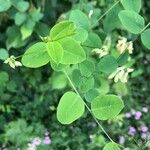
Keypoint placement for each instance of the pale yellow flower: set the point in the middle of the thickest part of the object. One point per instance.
(100, 51)
(123, 45)
(121, 74)
(12, 62)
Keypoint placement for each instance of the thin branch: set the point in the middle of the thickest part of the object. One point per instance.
(88, 107)
(116, 3)
(145, 27)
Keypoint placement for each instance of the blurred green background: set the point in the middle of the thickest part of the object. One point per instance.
(29, 97)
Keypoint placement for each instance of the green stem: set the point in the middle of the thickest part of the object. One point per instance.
(146, 27)
(101, 127)
(116, 3)
(88, 107)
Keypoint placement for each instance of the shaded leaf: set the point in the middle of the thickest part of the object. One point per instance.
(132, 21)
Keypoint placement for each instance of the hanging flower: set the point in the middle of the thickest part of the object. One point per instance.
(100, 52)
(120, 74)
(123, 45)
(12, 62)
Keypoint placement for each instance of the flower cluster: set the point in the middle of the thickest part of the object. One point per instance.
(38, 141)
(121, 74)
(143, 129)
(123, 45)
(12, 62)
(136, 114)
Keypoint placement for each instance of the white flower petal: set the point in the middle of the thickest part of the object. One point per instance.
(116, 79)
(17, 63)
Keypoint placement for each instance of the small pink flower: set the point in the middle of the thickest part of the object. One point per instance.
(143, 128)
(137, 115)
(36, 141)
(131, 131)
(47, 140)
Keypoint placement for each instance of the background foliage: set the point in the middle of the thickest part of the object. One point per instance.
(29, 97)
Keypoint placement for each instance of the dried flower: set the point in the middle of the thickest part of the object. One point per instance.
(12, 62)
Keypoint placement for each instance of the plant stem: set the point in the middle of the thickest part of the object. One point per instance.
(88, 107)
(146, 27)
(116, 3)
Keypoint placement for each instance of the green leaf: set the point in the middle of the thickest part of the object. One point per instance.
(91, 95)
(39, 29)
(106, 106)
(25, 32)
(134, 5)
(4, 5)
(123, 58)
(22, 6)
(73, 52)
(109, 23)
(4, 78)
(87, 84)
(107, 64)
(111, 146)
(103, 85)
(55, 51)
(70, 108)
(132, 21)
(93, 41)
(58, 81)
(87, 68)
(14, 37)
(76, 77)
(57, 67)
(81, 35)
(145, 37)
(80, 19)
(62, 30)
(36, 15)
(36, 56)
(3, 54)
(20, 18)
(121, 88)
